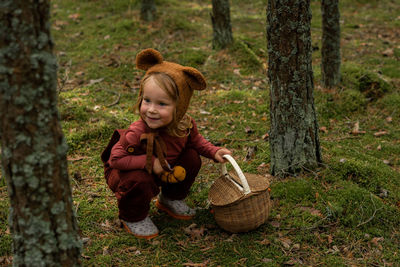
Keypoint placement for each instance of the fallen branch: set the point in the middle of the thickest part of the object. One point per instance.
(373, 215)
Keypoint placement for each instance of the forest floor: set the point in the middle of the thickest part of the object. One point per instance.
(346, 213)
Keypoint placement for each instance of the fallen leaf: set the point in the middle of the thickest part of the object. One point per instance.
(91, 82)
(376, 241)
(266, 260)
(296, 246)
(265, 242)
(312, 211)
(291, 262)
(286, 242)
(251, 153)
(379, 148)
(194, 232)
(265, 136)
(106, 251)
(204, 112)
(275, 224)
(380, 133)
(248, 130)
(356, 129)
(75, 16)
(388, 52)
(76, 158)
(330, 239)
(389, 119)
(323, 129)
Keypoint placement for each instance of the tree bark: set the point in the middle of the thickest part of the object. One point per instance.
(41, 219)
(330, 65)
(294, 140)
(221, 21)
(148, 10)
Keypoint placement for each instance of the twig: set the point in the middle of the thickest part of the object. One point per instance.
(113, 92)
(65, 78)
(373, 215)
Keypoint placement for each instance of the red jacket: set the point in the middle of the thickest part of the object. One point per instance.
(121, 159)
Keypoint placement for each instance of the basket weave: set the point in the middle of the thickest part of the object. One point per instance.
(239, 205)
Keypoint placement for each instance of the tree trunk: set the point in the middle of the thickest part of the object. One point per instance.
(330, 65)
(221, 21)
(148, 10)
(294, 138)
(42, 221)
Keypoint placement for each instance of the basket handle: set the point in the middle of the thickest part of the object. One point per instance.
(245, 185)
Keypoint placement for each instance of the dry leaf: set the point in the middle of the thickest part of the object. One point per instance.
(265, 136)
(380, 133)
(388, 52)
(389, 119)
(106, 251)
(379, 148)
(323, 129)
(286, 242)
(194, 232)
(91, 82)
(356, 129)
(251, 153)
(330, 239)
(265, 242)
(248, 130)
(291, 262)
(75, 16)
(275, 224)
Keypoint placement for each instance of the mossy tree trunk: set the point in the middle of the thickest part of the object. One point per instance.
(41, 219)
(221, 22)
(294, 137)
(148, 10)
(330, 64)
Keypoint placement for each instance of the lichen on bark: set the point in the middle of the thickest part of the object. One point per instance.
(294, 139)
(42, 221)
(330, 50)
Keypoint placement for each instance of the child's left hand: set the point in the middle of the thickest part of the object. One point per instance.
(220, 153)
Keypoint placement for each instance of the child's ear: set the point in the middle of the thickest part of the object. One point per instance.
(148, 58)
(194, 78)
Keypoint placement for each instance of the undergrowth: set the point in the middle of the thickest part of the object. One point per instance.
(344, 213)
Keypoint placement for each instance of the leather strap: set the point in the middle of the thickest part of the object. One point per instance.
(154, 141)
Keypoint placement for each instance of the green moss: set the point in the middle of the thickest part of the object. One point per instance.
(297, 191)
(372, 85)
(192, 57)
(354, 206)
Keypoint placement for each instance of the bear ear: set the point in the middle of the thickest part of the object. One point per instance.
(194, 78)
(148, 58)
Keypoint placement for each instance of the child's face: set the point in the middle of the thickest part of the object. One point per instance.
(157, 107)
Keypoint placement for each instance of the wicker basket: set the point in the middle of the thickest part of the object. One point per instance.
(240, 203)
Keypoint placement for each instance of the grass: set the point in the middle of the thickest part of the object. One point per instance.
(345, 213)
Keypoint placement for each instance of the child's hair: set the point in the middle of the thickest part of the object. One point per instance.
(164, 81)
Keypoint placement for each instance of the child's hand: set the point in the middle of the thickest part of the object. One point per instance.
(157, 168)
(220, 153)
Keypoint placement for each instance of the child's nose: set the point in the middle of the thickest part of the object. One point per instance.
(152, 108)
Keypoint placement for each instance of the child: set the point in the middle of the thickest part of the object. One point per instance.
(161, 149)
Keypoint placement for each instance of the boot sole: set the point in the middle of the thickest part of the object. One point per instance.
(136, 235)
(160, 206)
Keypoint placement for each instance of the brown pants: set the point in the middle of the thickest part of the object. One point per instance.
(134, 189)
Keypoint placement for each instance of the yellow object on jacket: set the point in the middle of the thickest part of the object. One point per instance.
(178, 174)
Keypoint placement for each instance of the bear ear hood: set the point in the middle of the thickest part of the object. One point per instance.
(148, 58)
(195, 79)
